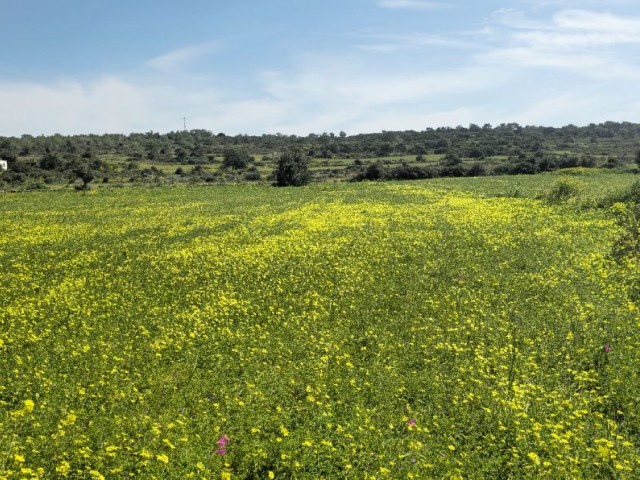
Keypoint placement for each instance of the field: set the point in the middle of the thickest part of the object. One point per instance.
(452, 328)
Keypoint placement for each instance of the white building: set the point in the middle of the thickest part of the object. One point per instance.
(3, 165)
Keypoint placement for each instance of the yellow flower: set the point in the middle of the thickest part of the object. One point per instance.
(271, 474)
(225, 476)
(18, 458)
(534, 458)
(28, 406)
(144, 453)
(63, 468)
(162, 458)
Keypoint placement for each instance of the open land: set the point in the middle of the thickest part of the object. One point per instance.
(445, 328)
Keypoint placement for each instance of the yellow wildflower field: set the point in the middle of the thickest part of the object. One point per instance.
(335, 331)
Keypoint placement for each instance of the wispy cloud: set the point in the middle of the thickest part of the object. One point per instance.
(393, 43)
(413, 4)
(555, 66)
(579, 41)
(350, 95)
(107, 104)
(596, 21)
(181, 56)
(346, 81)
(577, 3)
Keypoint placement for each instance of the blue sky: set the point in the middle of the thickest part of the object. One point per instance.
(296, 67)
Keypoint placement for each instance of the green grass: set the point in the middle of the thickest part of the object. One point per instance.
(453, 328)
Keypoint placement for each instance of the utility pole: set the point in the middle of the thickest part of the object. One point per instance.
(184, 123)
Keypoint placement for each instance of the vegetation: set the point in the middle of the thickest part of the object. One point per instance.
(235, 158)
(292, 169)
(205, 157)
(448, 328)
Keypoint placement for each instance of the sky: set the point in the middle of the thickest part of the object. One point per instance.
(310, 66)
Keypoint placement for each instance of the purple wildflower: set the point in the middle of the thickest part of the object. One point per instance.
(222, 443)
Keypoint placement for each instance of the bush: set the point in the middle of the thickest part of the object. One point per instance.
(627, 217)
(478, 169)
(629, 195)
(292, 169)
(410, 172)
(612, 162)
(523, 168)
(452, 171)
(374, 171)
(451, 159)
(563, 190)
(83, 172)
(50, 161)
(235, 158)
(252, 175)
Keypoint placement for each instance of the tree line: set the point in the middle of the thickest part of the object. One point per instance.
(473, 150)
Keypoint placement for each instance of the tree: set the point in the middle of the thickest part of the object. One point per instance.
(292, 169)
(638, 158)
(235, 158)
(84, 173)
(50, 161)
(374, 171)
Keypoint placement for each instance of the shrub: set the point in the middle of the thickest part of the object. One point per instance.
(235, 158)
(83, 172)
(292, 169)
(451, 159)
(627, 217)
(478, 169)
(452, 171)
(252, 175)
(410, 172)
(374, 171)
(523, 168)
(612, 162)
(50, 161)
(562, 190)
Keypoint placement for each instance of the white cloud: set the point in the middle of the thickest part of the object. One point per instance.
(413, 4)
(333, 93)
(578, 3)
(585, 104)
(563, 41)
(583, 42)
(403, 120)
(104, 105)
(516, 68)
(394, 43)
(596, 21)
(517, 19)
(181, 56)
(346, 81)
(531, 57)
